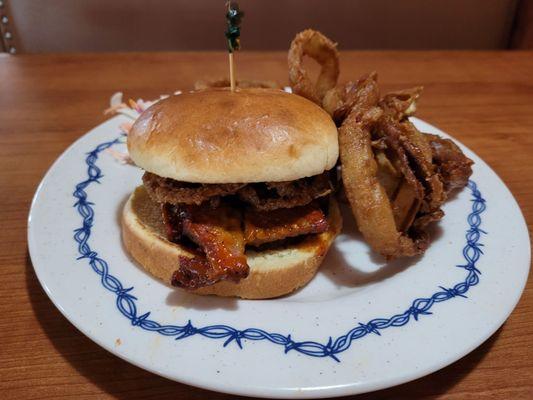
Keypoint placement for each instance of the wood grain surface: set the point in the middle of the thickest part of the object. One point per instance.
(47, 102)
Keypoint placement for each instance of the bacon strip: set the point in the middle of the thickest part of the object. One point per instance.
(172, 221)
(219, 234)
(268, 226)
(194, 273)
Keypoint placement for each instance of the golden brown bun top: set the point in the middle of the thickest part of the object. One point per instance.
(219, 136)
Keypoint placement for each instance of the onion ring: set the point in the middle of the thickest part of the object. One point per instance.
(315, 45)
(335, 98)
(339, 100)
(401, 104)
(387, 226)
(391, 133)
(394, 177)
(453, 166)
(410, 149)
(368, 199)
(416, 144)
(398, 106)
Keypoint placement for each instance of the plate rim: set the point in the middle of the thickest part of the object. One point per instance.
(314, 392)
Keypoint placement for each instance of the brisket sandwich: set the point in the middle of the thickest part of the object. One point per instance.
(237, 195)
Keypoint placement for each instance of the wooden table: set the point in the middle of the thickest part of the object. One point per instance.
(48, 101)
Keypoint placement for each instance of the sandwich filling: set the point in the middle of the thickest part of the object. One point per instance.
(219, 220)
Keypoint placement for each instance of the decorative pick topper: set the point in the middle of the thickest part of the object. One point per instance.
(233, 33)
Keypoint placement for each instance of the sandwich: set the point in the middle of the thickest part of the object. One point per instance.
(238, 191)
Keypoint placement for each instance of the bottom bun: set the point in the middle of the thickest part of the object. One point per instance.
(273, 272)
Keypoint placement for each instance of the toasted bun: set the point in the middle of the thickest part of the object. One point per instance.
(219, 136)
(273, 273)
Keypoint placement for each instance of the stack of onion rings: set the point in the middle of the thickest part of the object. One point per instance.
(393, 216)
(395, 177)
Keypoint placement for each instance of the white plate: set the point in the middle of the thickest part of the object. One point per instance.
(359, 326)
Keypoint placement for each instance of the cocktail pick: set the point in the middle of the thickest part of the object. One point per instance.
(233, 32)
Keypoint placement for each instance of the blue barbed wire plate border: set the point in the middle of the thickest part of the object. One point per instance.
(126, 302)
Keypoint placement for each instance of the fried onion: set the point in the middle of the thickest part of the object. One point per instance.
(368, 199)
(395, 177)
(402, 103)
(453, 166)
(387, 168)
(339, 101)
(315, 45)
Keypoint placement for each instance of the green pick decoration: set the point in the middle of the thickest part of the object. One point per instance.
(233, 31)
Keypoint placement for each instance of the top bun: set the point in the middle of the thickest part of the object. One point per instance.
(219, 136)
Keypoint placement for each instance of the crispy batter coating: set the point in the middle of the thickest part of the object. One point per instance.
(453, 166)
(340, 100)
(315, 45)
(402, 103)
(368, 199)
(395, 177)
